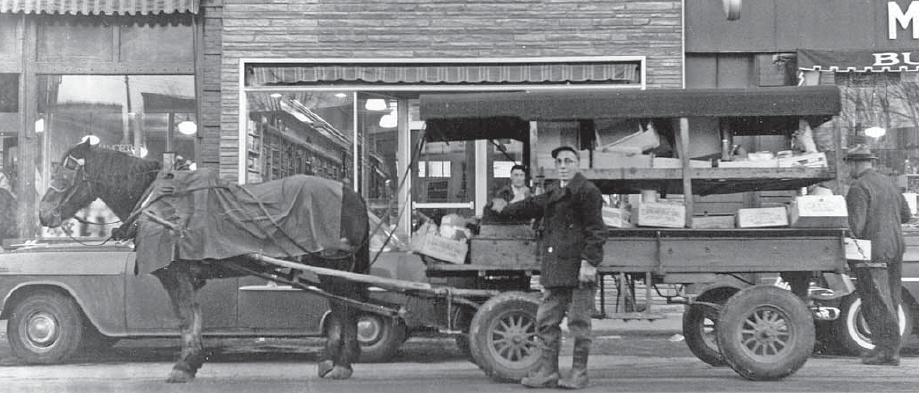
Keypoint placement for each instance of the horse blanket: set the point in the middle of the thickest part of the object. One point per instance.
(197, 216)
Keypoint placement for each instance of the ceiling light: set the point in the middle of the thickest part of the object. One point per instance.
(340, 95)
(389, 121)
(875, 132)
(375, 104)
(275, 95)
(93, 140)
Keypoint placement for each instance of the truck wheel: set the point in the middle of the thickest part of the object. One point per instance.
(699, 332)
(852, 331)
(765, 333)
(502, 336)
(380, 337)
(45, 328)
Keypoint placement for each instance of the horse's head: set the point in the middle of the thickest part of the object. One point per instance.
(71, 187)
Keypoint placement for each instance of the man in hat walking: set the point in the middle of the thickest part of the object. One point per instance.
(876, 211)
(572, 237)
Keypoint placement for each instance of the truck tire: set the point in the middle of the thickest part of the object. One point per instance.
(853, 334)
(765, 333)
(379, 336)
(699, 332)
(45, 328)
(502, 336)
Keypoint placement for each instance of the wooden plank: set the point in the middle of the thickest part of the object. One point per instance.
(750, 254)
(503, 253)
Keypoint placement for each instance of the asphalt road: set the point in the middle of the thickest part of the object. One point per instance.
(629, 358)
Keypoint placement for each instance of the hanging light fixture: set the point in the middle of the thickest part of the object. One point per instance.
(187, 127)
(875, 132)
(93, 140)
(375, 104)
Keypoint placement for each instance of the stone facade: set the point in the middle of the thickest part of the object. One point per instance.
(413, 29)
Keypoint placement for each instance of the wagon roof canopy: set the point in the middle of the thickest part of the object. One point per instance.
(628, 103)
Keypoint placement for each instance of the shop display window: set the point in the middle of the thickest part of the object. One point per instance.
(143, 115)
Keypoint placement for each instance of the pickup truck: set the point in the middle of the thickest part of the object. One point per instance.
(59, 299)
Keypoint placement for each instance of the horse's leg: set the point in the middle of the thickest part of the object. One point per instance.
(342, 347)
(179, 283)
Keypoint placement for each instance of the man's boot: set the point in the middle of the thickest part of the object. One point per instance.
(578, 377)
(546, 376)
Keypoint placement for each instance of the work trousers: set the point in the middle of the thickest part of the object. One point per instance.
(879, 288)
(579, 305)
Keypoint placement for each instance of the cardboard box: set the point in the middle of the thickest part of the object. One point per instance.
(819, 211)
(773, 163)
(439, 247)
(763, 217)
(617, 217)
(660, 214)
(858, 249)
(725, 221)
(809, 160)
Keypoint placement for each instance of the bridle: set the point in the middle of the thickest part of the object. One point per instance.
(70, 171)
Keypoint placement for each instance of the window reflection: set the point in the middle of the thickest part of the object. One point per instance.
(137, 114)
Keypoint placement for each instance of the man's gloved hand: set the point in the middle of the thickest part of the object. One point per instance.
(498, 204)
(587, 274)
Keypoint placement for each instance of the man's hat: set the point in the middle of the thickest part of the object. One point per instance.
(859, 152)
(564, 148)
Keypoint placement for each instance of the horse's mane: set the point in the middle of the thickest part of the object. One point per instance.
(121, 178)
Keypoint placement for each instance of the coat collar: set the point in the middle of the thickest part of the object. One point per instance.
(573, 186)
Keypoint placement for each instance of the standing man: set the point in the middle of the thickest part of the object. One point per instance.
(876, 210)
(572, 237)
(517, 190)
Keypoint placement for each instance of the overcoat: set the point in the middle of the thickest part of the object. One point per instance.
(876, 210)
(572, 229)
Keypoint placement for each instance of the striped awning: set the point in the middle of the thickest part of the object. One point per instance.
(443, 73)
(99, 7)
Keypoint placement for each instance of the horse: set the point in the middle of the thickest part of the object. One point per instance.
(88, 172)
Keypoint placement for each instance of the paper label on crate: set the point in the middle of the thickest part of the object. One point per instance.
(829, 206)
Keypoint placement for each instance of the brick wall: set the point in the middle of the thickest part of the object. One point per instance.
(436, 29)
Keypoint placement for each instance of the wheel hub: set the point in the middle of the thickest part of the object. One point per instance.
(42, 329)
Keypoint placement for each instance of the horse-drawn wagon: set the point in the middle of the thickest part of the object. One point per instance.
(763, 332)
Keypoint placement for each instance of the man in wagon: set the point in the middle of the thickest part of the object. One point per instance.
(572, 234)
(876, 211)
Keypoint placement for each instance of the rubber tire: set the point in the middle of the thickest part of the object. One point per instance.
(758, 304)
(851, 332)
(515, 309)
(385, 338)
(66, 328)
(702, 343)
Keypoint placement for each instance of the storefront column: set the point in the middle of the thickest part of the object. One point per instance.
(28, 194)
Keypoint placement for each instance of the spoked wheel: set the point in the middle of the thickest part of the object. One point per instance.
(502, 336)
(765, 333)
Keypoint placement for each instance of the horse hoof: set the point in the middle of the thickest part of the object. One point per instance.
(324, 367)
(179, 376)
(339, 372)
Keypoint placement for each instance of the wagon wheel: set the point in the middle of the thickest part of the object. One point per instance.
(502, 336)
(765, 333)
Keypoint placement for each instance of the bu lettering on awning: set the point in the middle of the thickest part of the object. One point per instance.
(869, 60)
(100, 7)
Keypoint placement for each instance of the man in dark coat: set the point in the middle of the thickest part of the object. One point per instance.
(876, 211)
(572, 237)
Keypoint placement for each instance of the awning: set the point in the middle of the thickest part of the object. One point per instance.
(454, 73)
(858, 60)
(100, 7)
(633, 103)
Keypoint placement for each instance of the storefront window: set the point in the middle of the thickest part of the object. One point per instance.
(144, 115)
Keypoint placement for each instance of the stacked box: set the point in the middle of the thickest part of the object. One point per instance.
(725, 221)
(429, 243)
(660, 214)
(617, 217)
(819, 211)
(763, 217)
